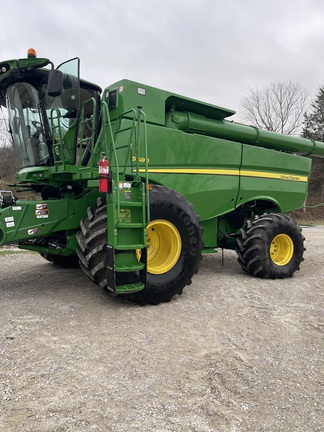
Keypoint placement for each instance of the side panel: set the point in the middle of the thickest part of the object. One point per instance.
(31, 219)
(218, 175)
(278, 176)
(205, 170)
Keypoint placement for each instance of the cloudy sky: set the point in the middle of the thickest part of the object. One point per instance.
(212, 50)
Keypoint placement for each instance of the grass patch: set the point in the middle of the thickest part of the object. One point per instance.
(11, 251)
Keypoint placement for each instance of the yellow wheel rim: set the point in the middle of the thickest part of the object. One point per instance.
(163, 246)
(281, 249)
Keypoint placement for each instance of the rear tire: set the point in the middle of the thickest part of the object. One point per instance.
(69, 261)
(271, 246)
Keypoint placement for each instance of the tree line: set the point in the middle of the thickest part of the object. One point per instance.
(284, 107)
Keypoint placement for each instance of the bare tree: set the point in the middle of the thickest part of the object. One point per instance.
(8, 157)
(5, 137)
(278, 108)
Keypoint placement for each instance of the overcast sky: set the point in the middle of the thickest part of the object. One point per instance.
(212, 50)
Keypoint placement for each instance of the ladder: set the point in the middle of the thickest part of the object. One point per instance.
(127, 202)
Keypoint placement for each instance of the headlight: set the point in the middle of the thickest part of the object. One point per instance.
(4, 67)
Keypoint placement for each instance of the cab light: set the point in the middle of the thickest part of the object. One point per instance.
(4, 67)
(31, 53)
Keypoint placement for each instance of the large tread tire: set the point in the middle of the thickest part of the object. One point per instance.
(168, 205)
(256, 250)
(70, 261)
(91, 249)
(92, 241)
(164, 204)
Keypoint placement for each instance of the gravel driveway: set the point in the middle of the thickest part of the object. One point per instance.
(233, 353)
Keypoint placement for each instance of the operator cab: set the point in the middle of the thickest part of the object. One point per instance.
(44, 110)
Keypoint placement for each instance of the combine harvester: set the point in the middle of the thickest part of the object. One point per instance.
(135, 183)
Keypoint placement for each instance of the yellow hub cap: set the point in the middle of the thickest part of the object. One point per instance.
(281, 249)
(163, 246)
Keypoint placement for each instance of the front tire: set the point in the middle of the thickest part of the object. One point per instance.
(92, 241)
(271, 246)
(174, 240)
(174, 252)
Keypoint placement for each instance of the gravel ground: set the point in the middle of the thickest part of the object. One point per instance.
(233, 353)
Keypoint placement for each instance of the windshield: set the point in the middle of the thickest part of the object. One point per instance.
(45, 129)
(26, 125)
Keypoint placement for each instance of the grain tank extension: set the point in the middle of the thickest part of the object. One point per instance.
(135, 183)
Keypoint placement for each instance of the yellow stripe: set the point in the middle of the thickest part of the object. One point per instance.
(244, 173)
(193, 171)
(279, 176)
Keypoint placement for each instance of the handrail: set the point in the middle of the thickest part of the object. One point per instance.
(83, 122)
(137, 117)
(57, 139)
(132, 129)
(141, 113)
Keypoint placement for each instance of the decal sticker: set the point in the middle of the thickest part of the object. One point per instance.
(16, 208)
(128, 194)
(141, 91)
(10, 221)
(40, 214)
(41, 211)
(124, 185)
(141, 159)
(32, 231)
(41, 206)
(125, 215)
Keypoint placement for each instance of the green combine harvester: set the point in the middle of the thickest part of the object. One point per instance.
(135, 183)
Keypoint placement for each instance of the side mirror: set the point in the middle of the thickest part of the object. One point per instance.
(55, 83)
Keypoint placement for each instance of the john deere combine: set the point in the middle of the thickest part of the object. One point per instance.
(134, 183)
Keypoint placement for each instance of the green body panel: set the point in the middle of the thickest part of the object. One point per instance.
(126, 95)
(175, 111)
(219, 175)
(279, 177)
(33, 219)
(228, 171)
(201, 175)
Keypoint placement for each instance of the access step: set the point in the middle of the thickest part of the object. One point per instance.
(130, 246)
(131, 204)
(129, 225)
(130, 267)
(129, 288)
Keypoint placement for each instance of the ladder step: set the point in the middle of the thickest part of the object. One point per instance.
(131, 203)
(130, 247)
(129, 225)
(123, 130)
(130, 267)
(121, 147)
(129, 288)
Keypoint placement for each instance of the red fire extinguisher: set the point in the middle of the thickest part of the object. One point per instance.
(104, 174)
